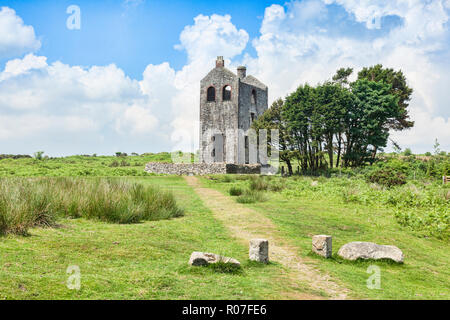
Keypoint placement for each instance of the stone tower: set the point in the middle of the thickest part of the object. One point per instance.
(228, 102)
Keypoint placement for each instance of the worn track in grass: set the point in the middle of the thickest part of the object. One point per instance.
(246, 224)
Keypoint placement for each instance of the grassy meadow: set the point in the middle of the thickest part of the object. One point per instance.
(413, 217)
(80, 166)
(146, 260)
(131, 233)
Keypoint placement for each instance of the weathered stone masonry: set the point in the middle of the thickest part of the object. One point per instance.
(223, 113)
(228, 103)
(201, 168)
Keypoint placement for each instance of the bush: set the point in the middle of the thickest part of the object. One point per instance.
(407, 152)
(14, 156)
(387, 176)
(435, 222)
(114, 164)
(235, 191)
(26, 203)
(39, 155)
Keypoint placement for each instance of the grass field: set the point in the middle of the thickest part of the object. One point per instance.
(141, 259)
(80, 166)
(302, 212)
(134, 261)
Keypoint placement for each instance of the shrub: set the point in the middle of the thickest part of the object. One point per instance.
(435, 222)
(407, 152)
(124, 163)
(114, 164)
(25, 203)
(235, 191)
(121, 154)
(387, 176)
(39, 155)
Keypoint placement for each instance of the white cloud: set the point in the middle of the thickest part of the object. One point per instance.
(22, 66)
(15, 37)
(24, 126)
(136, 120)
(101, 107)
(210, 34)
(45, 102)
(288, 55)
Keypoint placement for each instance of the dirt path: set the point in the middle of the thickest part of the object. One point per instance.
(246, 224)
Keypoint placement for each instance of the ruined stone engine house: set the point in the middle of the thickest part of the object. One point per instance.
(229, 103)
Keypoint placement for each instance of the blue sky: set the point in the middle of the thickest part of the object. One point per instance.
(128, 80)
(130, 35)
(137, 33)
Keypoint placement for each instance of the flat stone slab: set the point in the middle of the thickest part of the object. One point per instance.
(369, 250)
(203, 259)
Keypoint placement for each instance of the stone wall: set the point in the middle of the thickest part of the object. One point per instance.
(201, 168)
(243, 168)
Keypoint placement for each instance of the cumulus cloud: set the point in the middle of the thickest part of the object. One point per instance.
(41, 102)
(99, 108)
(16, 38)
(136, 120)
(210, 34)
(297, 46)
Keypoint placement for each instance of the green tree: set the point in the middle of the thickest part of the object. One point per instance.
(368, 120)
(399, 88)
(341, 76)
(39, 155)
(272, 119)
(407, 152)
(333, 101)
(298, 112)
(436, 147)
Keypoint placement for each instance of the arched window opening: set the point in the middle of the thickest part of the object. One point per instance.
(226, 94)
(253, 96)
(211, 94)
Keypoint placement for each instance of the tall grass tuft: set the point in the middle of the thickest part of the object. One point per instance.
(251, 196)
(235, 191)
(25, 203)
